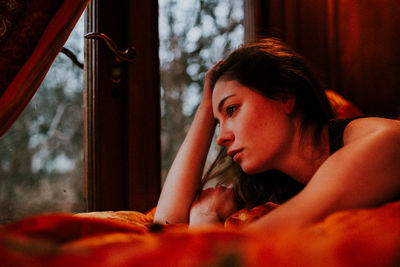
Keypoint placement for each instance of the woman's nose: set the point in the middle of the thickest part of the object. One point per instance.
(224, 137)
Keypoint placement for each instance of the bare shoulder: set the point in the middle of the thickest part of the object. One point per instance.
(370, 126)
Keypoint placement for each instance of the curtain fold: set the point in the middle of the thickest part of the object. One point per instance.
(32, 33)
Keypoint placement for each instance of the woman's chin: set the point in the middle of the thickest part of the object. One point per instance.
(253, 169)
(249, 170)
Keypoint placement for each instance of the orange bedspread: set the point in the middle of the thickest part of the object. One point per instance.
(368, 237)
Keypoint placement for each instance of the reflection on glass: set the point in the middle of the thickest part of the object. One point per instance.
(194, 35)
(41, 155)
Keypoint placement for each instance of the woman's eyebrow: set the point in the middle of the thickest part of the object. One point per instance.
(221, 103)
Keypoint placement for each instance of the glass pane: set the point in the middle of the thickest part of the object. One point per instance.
(41, 155)
(194, 35)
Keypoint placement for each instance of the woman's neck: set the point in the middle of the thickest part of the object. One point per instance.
(306, 154)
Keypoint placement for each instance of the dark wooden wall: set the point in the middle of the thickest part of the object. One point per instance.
(354, 45)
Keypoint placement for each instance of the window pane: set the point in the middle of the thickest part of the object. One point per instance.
(41, 155)
(194, 35)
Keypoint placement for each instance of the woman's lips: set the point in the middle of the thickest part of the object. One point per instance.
(236, 157)
(235, 154)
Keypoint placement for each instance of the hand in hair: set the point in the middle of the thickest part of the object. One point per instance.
(207, 89)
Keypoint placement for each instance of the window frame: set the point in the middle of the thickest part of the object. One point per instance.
(122, 119)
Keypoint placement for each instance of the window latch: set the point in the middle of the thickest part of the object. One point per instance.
(128, 54)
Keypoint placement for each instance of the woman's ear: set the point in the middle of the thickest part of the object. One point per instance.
(288, 104)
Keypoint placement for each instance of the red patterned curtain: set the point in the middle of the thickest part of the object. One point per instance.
(32, 33)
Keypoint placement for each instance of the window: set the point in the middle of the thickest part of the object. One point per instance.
(122, 120)
(41, 155)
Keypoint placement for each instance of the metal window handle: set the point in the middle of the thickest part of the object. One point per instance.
(128, 55)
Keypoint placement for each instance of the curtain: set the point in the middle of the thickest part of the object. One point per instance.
(32, 33)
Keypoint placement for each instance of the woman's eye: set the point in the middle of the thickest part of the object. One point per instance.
(230, 110)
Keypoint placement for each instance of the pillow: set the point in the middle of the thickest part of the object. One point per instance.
(342, 107)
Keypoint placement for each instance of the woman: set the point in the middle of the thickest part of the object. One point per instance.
(275, 122)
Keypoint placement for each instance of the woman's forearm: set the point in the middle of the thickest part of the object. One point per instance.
(183, 180)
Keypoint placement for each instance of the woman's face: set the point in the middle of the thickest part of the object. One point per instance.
(256, 130)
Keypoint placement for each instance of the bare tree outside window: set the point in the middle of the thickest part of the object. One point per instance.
(194, 35)
(41, 155)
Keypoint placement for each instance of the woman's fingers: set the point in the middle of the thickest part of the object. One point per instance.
(207, 90)
(210, 71)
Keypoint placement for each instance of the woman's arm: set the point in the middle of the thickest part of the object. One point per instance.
(364, 173)
(183, 180)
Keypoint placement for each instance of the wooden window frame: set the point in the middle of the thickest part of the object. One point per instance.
(122, 119)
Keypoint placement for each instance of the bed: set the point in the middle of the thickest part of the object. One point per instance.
(361, 237)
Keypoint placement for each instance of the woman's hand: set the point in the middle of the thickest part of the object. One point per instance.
(213, 205)
(207, 90)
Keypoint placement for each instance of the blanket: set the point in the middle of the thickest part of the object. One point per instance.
(361, 237)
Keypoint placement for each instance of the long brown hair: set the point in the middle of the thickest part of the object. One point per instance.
(274, 70)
